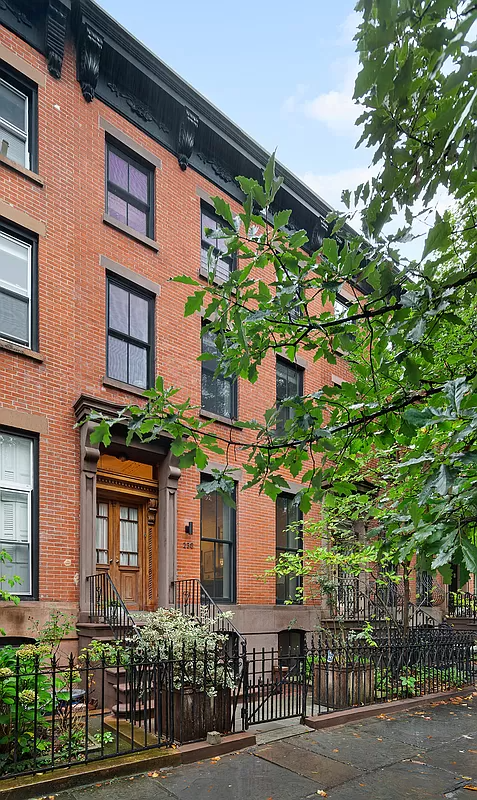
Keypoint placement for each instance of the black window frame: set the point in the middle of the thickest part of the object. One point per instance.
(205, 245)
(35, 514)
(30, 89)
(111, 145)
(232, 543)
(232, 380)
(132, 288)
(286, 579)
(29, 238)
(286, 413)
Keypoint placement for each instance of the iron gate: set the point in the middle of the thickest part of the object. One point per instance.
(274, 687)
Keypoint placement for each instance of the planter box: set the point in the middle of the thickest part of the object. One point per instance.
(195, 714)
(343, 686)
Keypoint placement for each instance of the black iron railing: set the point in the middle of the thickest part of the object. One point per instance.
(463, 605)
(191, 598)
(379, 605)
(107, 607)
(55, 713)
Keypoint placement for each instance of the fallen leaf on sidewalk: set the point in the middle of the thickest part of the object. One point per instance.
(153, 774)
(472, 751)
(336, 750)
(471, 788)
(321, 793)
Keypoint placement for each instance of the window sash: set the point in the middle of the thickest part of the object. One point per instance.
(24, 295)
(130, 340)
(290, 544)
(16, 487)
(123, 194)
(220, 543)
(13, 129)
(208, 368)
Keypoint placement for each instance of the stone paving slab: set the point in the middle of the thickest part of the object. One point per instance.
(408, 780)
(324, 771)
(459, 756)
(365, 751)
(140, 787)
(423, 731)
(236, 777)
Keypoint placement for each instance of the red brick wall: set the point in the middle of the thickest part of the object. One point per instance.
(72, 324)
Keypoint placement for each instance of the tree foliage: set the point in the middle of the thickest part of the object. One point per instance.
(417, 87)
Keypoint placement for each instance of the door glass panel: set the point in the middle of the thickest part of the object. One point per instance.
(102, 531)
(128, 536)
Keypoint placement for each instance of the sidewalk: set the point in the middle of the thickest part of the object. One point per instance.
(425, 753)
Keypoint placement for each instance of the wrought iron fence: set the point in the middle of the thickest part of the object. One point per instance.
(56, 713)
(463, 604)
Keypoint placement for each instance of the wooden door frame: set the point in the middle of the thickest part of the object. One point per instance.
(112, 487)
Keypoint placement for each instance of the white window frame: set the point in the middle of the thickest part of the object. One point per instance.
(13, 128)
(27, 489)
(28, 295)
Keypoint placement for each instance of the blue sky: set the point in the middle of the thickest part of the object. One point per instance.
(282, 71)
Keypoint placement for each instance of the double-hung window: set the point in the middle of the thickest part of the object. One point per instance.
(17, 485)
(17, 120)
(223, 264)
(219, 393)
(130, 338)
(17, 288)
(289, 384)
(217, 546)
(289, 540)
(129, 191)
(340, 307)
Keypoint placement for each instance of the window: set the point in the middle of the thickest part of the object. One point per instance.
(219, 393)
(130, 355)
(289, 540)
(18, 127)
(224, 264)
(217, 547)
(129, 191)
(340, 308)
(424, 588)
(17, 506)
(289, 384)
(17, 287)
(291, 643)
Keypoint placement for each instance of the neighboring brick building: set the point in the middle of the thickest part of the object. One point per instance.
(108, 161)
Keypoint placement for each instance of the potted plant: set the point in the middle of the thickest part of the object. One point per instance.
(196, 670)
(343, 670)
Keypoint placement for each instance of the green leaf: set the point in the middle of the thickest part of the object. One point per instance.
(269, 173)
(469, 553)
(419, 418)
(223, 210)
(413, 372)
(455, 392)
(438, 236)
(185, 279)
(330, 250)
(281, 219)
(444, 480)
(194, 303)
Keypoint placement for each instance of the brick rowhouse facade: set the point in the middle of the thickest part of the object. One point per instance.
(192, 152)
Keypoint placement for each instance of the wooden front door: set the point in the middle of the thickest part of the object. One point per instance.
(121, 532)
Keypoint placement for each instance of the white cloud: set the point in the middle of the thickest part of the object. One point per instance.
(337, 108)
(329, 187)
(294, 102)
(348, 28)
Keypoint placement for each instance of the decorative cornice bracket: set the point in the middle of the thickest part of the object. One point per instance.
(56, 20)
(186, 138)
(90, 45)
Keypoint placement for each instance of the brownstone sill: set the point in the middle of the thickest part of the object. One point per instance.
(27, 173)
(18, 350)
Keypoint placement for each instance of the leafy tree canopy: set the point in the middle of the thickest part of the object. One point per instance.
(407, 420)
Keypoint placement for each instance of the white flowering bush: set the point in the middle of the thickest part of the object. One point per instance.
(197, 650)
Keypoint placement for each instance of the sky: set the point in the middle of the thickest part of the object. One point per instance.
(282, 71)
